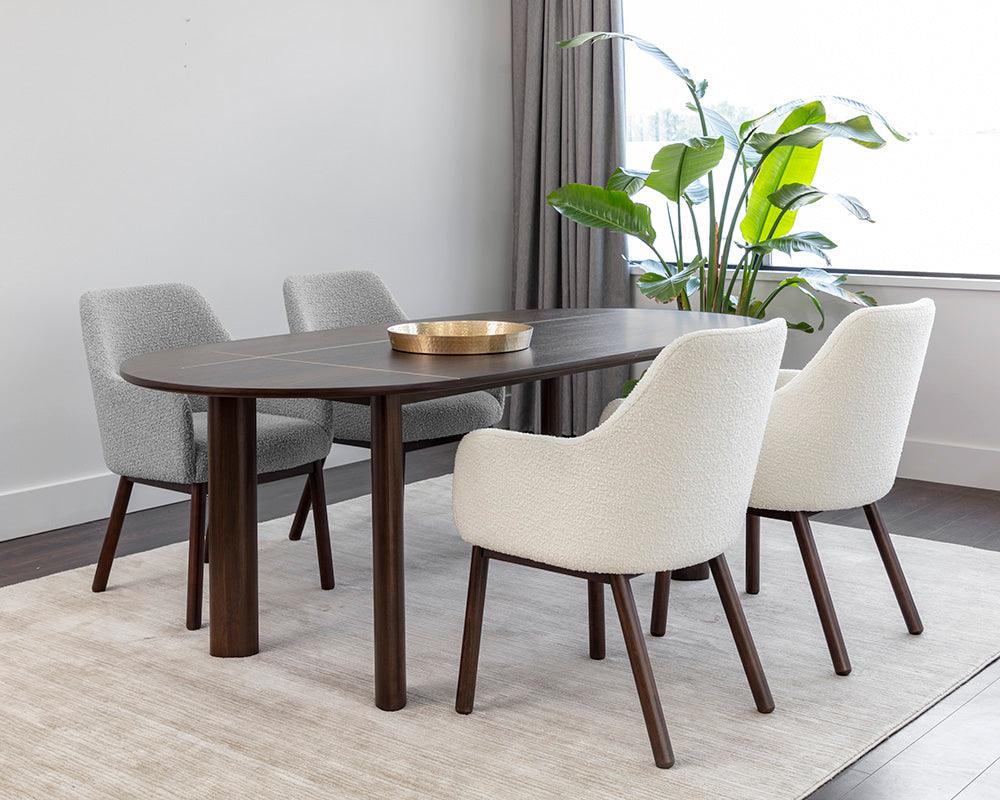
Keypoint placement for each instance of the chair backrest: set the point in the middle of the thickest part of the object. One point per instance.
(836, 430)
(684, 444)
(326, 300)
(121, 323)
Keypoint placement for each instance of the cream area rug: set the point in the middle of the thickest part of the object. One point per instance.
(108, 696)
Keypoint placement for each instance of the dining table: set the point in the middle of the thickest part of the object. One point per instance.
(358, 365)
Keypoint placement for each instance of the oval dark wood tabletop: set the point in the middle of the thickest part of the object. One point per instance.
(358, 362)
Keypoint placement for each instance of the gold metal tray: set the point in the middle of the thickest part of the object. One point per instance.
(460, 337)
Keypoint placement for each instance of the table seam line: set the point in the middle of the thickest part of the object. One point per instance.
(367, 369)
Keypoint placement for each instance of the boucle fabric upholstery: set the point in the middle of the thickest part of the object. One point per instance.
(576, 502)
(784, 376)
(428, 419)
(836, 428)
(327, 300)
(282, 443)
(153, 435)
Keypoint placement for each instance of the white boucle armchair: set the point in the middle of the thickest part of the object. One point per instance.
(694, 427)
(833, 441)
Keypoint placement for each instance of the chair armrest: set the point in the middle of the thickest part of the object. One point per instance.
(319, 412)
(533, 496)
(500, 393)
(610, 409)
(146, 433)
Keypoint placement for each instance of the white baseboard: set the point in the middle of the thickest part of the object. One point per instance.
(57, 505)
(941, 462)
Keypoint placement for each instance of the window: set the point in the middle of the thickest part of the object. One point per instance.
(929, 67)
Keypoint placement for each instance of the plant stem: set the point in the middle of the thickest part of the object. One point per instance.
(697, 243)
(685, 305)
(694, 227)
(724, 262)
(736, 273)
(777, 220)
(673, 238)
(713, 234)
(743, 194)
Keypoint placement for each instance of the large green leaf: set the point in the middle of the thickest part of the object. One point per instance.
(871, 112)
(793, 196)
(823, 281)
(696, 193)
(625, 180)
(803, 242)
(753, 124)
(678, 165)
(642, 44)
(857, 129)
(785, 164)
(597, 207)
(718, 125)
(658, 285)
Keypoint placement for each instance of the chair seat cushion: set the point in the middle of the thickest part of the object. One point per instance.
(428, 419)
(282, 443)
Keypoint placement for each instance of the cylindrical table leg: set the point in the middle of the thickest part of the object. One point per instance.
(387, 553)
(232, 480)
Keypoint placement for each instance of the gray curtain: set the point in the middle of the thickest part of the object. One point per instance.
(568, 125)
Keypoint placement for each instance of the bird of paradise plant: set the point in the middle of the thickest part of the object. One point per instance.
(775, 169)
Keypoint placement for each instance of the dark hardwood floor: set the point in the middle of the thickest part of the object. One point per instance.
(951, 751)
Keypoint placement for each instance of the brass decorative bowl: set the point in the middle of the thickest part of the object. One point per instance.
(460, 337)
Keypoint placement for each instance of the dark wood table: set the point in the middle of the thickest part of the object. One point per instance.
(357, 365)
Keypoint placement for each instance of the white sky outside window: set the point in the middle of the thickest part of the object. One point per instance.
(932, 68)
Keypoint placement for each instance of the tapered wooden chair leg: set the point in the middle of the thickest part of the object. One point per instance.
(196, 559)
(317, 491)
(741, 633)
(661, 599)
(821, 594)
(595, 617)
(475, 603)
(114, 530)
(894, 570)
(642, 672)
(301, 513)
(753, 554)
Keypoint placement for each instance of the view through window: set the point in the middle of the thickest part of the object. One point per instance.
(929, 67)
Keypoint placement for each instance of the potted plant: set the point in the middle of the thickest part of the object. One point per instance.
(775, 157)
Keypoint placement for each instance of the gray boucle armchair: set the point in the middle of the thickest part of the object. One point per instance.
(161, 439)
(326, 300)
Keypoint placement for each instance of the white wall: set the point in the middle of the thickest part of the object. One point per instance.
(227, 144)
(954, 434)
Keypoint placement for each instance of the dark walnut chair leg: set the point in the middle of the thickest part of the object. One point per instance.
(741, 634)
(111, 535)
(821, 593)
(595, 619)
(301, 513)
(475, 603)
(661, 599)
(317, 491)
(894, 570)
(196, 559)
(753, 554)
(645, 684)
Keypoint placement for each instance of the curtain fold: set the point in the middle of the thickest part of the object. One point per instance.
(568, 128)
